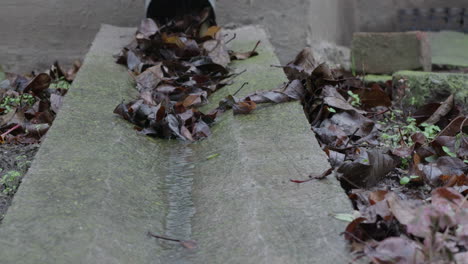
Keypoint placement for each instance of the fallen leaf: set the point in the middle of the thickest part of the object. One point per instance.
(244, 55)
(147, 29)
(244, 107)
(443, 110)
(375, 96)
(40, 83)
(302, 66)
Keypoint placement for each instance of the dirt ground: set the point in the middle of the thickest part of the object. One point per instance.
(14, 160)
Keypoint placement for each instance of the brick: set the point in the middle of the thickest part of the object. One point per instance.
(386, 53)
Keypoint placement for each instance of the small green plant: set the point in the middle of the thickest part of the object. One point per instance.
(405, 162)
(355, 99)
(60, 83)
(331, 110)
(10, 182)
(410, 127)
(213, 156)
(399, 130)
(406, 180)
(449, 152)
(430, 131)
(10, 102)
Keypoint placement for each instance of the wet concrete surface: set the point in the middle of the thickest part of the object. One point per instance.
(108, 186)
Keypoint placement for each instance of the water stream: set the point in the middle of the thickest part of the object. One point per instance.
(181, 209)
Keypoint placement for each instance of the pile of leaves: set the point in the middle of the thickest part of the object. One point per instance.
(29, 104)
(176, 67)
(404, 168)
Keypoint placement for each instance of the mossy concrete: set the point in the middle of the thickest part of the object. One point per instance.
(424, 87)
(372, 78)
(449, 48)
(97, 187)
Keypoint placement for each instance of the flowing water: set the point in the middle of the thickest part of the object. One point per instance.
(178, 182)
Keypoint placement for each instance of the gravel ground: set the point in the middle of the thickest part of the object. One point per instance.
(15, 161)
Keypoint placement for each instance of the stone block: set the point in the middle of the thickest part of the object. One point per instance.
(449, 49)
(386, 53)
(97, 187)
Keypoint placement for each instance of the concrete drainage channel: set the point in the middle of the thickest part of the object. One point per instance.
(108, 186)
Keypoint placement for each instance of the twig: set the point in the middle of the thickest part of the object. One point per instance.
(189, 244)
(463, 124)
(243, 85)
(349, 138)
(256, 46)
(163, 238)
(319, 177)
(402, 140)
(381, 113)
(277, 66)
(233, 76)
(350, 182)
(10, 130)
(234, 37)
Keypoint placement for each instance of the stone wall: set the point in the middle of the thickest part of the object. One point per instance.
(293, 24)
(34, 33)
(37, 32)
(382, 15)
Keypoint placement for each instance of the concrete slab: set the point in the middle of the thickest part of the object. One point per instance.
(386, 53)
(449, 48)
(422, 87)
(96, 187)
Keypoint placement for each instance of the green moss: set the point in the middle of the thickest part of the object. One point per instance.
(423, 87)
(371, 78)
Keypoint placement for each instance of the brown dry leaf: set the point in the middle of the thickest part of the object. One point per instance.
(402, 210)
(211, 32)
(147, 29)
(396, 250)
(191, 100)
(442, 111)
(73, 71)
(175, 40)
(5, 119)
(217, 51)
(56, 102)
(302, 66)
(150, 78)
(377, 196)
(375, 96)
(455, 127)
(350, 121)
(291, 91)
(368, 170)
(40, 83)
(244, 107)
(201, 130)
(244, 55)
(186, 133)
